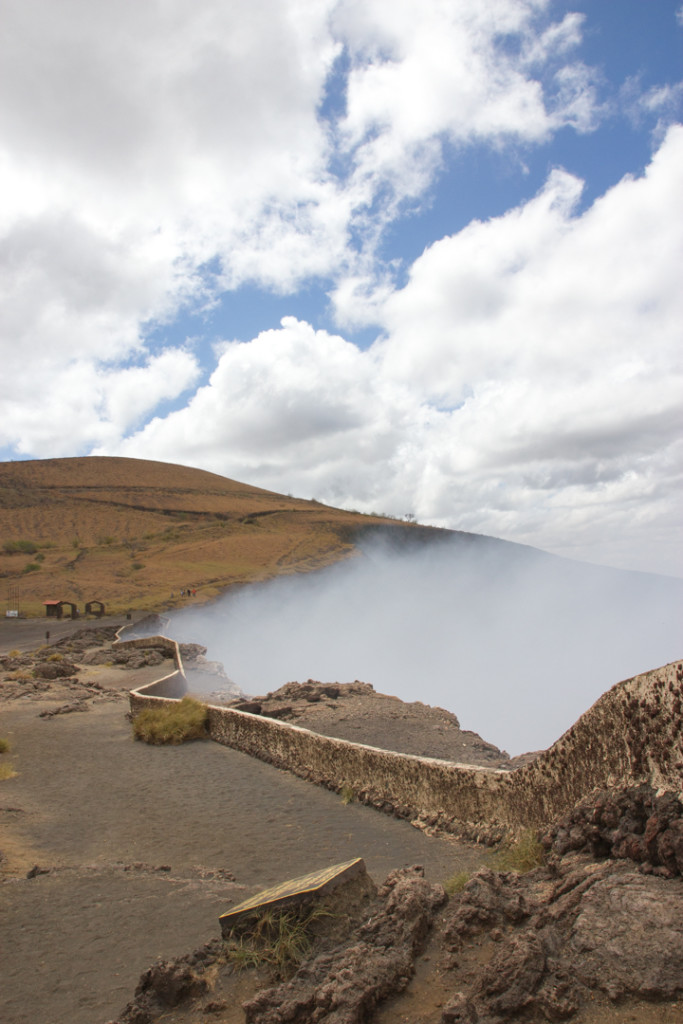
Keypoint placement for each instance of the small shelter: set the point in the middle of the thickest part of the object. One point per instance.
(55, 609)
(95, 608)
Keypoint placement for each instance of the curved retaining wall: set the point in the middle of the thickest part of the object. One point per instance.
(174, 685)
(632, 734)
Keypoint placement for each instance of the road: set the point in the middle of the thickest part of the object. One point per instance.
(28, 634)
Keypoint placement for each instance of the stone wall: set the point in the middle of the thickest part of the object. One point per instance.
(632, 734)
(172, 686)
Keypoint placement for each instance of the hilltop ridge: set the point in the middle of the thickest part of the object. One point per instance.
(132, 533)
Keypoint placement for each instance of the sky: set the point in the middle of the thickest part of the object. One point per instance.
(407, 257)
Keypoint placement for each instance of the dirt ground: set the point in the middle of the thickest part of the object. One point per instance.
(114, 854)
(139, 849)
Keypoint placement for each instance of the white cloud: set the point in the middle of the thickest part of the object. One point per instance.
(142, 143)
(511, 394)
(665, 102)
(152, 155)
(89, 401)
(293, 405)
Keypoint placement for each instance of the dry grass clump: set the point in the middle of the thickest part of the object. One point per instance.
(172, 723)
(279, 939)
(347, 794)
(456, 883)
(6, 769)
(521, 855)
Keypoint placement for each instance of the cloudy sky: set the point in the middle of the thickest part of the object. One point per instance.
(412, 257)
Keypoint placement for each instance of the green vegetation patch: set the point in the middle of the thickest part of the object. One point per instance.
(20, 547)
(172, 723)
(4, 746)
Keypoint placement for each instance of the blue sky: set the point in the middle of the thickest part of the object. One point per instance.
(397, 256)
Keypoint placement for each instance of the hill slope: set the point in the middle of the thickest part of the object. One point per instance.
(132, 533)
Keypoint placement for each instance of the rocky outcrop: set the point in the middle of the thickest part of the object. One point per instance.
(507, 948)
(345, 985)
(356, 712)
(170, 982)
(635, 823)
(61, 669)
(595, 929)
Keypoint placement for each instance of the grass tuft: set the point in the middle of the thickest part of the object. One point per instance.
(521, 855)
(172, 723)
(347, 794)
(278, 939)
(456, 883)
(6, 769)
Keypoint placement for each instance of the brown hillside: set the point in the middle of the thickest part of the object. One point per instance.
(131, 533)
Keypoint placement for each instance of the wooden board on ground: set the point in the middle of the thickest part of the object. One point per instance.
(293, 891)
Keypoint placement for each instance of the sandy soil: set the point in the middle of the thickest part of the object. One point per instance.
(144, 847)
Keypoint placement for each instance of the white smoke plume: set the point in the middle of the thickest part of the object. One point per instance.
(517, 643)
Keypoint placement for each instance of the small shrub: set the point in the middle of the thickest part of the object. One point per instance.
(40, 557)
(138, 565)
(521, 855)
(347, 794)
(31, 567)
(4, 746)
(456, 883)
(15, 653)
(172, 723)
(55, 657)
(20, 547)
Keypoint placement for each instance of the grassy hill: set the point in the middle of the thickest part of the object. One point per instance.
(131, 533)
